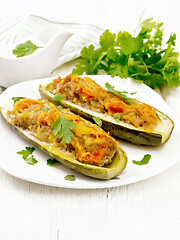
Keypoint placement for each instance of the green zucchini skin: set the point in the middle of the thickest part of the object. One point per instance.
(130, 134)
(106, 172)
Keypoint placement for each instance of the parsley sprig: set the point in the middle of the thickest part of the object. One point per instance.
(143, 57)
(63, 127)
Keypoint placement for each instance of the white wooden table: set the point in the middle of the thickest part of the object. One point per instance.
(149, 209)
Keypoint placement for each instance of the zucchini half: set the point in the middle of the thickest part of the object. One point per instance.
(108, 171)
(120, 129)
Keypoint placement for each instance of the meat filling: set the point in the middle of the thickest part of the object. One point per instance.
(89, 143)
(88, 94)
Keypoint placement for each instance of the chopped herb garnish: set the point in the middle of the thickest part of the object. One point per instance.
(158, 116)
(24, 154)
(52, 162)
(144, 161)
(59, 108)
(16, 99)
(30, 149)
(70, 177)
(46, 109)
(98, 121)
(24, 49)
(117, 117)
(133, 93)
(125, 92)
(58, 97)
(63, 127)
(121, 95)
(115, 178)
(27, 155)
(31, 160)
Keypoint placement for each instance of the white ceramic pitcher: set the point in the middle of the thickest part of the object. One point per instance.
(37, 65)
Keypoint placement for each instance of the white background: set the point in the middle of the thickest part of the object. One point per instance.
(113, 14)
(146, 210)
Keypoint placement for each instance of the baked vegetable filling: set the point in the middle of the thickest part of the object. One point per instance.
(64, 131)
(88, 94)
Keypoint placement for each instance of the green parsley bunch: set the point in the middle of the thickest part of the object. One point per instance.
(143, 58)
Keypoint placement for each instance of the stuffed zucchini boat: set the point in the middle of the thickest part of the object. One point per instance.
(123, 117)
(66, 137)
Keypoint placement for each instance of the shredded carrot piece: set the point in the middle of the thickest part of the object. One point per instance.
(58, 80)
(86, 93)
(24, 103)
(96, 156)
(87, 90)
(48, 117)
(116, 105)
(76, 118)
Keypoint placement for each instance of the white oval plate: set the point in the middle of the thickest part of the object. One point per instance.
(162, 157)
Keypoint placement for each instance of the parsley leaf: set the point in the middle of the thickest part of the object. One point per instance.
(16, 99)
(30, 149)
(59, 108)
(107, 39)
(90, 62)
(98, 121)
(117, 69)
(58, 97)
(115, 178)
(128, 43)
(24, 49)
(172, 39)
(144, 161)
(24, 154)
(70, 177)
(142, 57)
(121, 95)
(27, 155)
(52, 162)
(31, 160)
(63, 127)
(117, 116)
(46, 109)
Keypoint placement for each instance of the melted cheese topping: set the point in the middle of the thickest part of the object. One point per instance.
(87, 93)
(89, 143)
